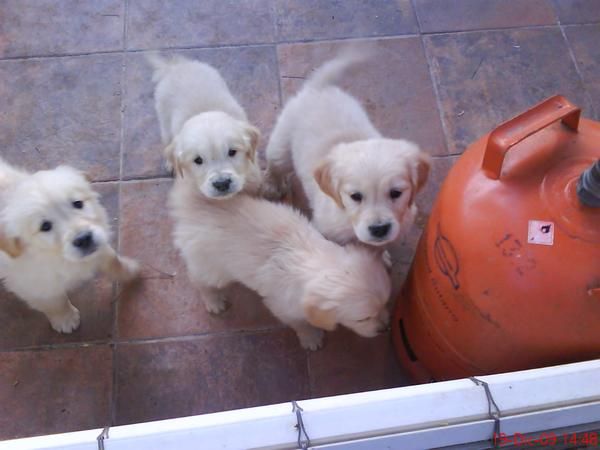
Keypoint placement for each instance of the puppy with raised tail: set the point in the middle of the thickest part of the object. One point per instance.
(360, 185)
(54, 236)
(205, 130)
(309, 283)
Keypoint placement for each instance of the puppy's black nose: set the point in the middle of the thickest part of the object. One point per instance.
(222, 185)
(380, 231)
(84, 241)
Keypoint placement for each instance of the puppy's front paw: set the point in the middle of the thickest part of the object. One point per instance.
(311, 338)
(216, 304)
(272, 191)
(67, 322)
(130, 269)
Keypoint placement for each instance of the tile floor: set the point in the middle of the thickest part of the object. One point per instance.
(74, 89)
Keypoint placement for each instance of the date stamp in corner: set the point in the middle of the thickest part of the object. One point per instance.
(548, 439)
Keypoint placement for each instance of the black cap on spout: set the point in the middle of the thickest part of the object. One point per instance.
(588, 187)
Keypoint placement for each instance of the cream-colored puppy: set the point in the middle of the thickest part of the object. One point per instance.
(308, 282)
(206, 132)
(360, 186)
(54, 235)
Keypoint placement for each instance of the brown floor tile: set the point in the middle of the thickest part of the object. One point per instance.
(54, 391)
(54, 27)
(485, 78)
(209, 374)
(331, 19)
(349, 363)
(160, 24)
(585, 41)
(250, 72)
(164, 306)
(399, 100)
(23, 327)
(451, 15)
(578, 11)
(62, 111)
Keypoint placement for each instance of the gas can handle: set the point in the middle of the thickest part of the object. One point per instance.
(524, 125)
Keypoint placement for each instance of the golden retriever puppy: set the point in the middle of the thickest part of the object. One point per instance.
(54, 235)
(306, 281)
(206, 132)
(360, 186)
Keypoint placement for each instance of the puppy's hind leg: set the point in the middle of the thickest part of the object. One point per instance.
(311, 338)
(213, 298)
(279, 164)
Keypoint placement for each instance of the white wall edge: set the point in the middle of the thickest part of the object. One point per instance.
(530, 401)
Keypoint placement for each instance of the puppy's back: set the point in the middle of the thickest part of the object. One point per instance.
(185, 88)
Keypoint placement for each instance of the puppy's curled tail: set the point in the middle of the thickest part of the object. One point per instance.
(162, 64)
(329, 72)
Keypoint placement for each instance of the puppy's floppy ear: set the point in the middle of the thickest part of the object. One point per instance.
(421, 163)
(324, 179)
(253, 135)
(11, 246)
(173, 163)
(320, 312)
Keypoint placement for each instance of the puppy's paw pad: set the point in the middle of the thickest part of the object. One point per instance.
(68, 322)
(311, 339)
(216, 306)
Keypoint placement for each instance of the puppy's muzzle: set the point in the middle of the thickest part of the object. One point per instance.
(85, 243)
(380, 231)
(222, 185)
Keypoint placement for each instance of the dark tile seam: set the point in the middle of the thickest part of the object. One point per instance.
(586, 94)
(151, 340)
(117, 286)
(134, 179)
(199, 47)
(433, 83)
(479, 30)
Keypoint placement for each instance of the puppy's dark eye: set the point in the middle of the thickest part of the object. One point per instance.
(232, 152)
(77, 204)
(357, 197)
(46, 226)
(198, 160)
(395, 193)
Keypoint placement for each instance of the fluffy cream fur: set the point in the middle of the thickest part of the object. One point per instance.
(306, 281)
(208, 139)
(360, 185)
(54, 235)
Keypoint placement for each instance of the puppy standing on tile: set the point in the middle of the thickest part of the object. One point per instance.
(360, 185)
(306, 281)
(54, 236)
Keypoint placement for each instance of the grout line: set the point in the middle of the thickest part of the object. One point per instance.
(200, 336)
(413, 3)
(483, 30)
(152, 340)
(117, 286)
(278, 74)
(586, 93)
(282, 42)
(436, 93)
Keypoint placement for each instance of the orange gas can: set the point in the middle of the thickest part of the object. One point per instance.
(507, 272)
